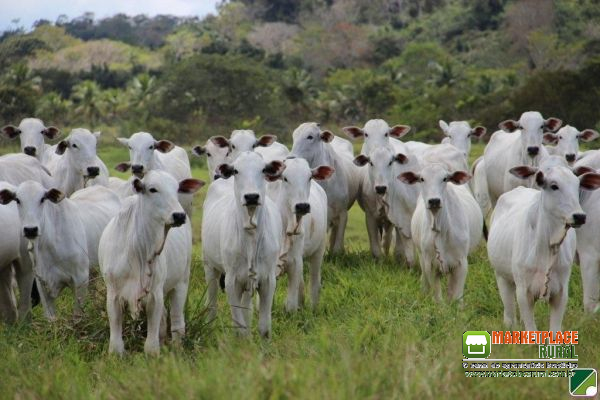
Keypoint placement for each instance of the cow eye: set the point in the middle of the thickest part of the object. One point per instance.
(74, 146)
(421, 180)
(153, 190)
(285, 179)
(554, 186)
(42, 200)
(17, 201)
(386, 135)
(207, 154)
(446, 179)
(309, 137)
(130, 148)
(233, 146)
(366, 135)
(235, 171)
(151, 147)
(560, 137)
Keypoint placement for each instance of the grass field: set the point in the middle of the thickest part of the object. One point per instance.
(375, 335)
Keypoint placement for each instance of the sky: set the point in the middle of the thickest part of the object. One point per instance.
(28, 11)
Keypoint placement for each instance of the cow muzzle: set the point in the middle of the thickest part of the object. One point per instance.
(302, 209)
(380, 190)
(31, 232)
(93, 172)
(578, 219)
(533, 151)
(178, 219)
(434, 204)
(570, 158)
(138, 170)
(251, 199)
(30, 151)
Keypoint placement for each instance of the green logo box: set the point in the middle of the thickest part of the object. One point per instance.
(477, 344)
(583, 382)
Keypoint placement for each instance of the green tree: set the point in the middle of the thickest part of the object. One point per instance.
(86, 97)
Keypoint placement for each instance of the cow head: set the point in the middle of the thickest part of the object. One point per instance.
(32, 133)
(460, 133)
(375, 133)
(567, 141)
(80, 149)
(141, 147)
(532, 126)
(217, 150)
(380, 163)
(310, 141)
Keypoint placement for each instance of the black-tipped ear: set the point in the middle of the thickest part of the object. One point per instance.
(578, 171)
(409, 177)
(51, 132)
(589, 181)
(6, 196)
(199, 151)
(550, 138)
(226, 171)
(327, 136)
(459, 177)
(353, 132)
(523, 171)
(190, 185)
(138, 186)
(539, 179)
(552, 124)
(400, 158)
(398, 131)
(274, 168)
(322, 172)
(220, 141)
(361, 160)
(54, 195)
(509, 125)
(62, 147)
(123, 167)
(478, 132)
(11, 131)
(265, 141)
(588, 135)
(164, 146)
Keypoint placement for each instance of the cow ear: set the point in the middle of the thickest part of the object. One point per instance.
(589, 181)
(588, 135)
(361, 160)
(226, 170)
(478, 132)
(123, 167)
(327, 136)
(523, 171)
(97, 134)
(322, 172)
(51, 132)
(444, 126)
(539, 179)
(123, 141)
(190, 185)
(400, 158)
(552, 124)
(54, 195)
(353, 132)
(11, 131)
(509, 125)
(578, 171)
(550, 138)
(273, 169)
(459, 177)
(265, 141)
(138, 186)
(220, 141)
(409, 177)
(164, 146)
(6, 196)
(198, 151)
(397, 131)
(62, 147)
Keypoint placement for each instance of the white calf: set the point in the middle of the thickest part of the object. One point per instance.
(567, 142)
(460, 133)
(377, 132)
(32, 132)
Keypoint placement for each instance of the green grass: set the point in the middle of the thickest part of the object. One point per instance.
(374, 335)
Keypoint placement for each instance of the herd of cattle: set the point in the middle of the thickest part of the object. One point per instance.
(268, 209)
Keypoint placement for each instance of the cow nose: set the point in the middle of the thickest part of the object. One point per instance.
(251, 199)
(578, 219)
(30, 232)
(434, 203)
(137, 169)
(302, 208)
(29, 150)
(570, 157)
(533, 150)
(178, 218)
(93, 171)
(380, 189)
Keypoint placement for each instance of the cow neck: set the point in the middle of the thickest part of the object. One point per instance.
(67, 176)
(325, 157)
(252, 237)
(57, 224)
(155, 162)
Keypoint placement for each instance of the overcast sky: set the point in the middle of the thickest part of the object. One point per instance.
(28, 11)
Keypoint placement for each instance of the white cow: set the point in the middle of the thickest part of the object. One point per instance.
(531, 246)
(77, 164)
(460, 133)
(240, 238)
(446, 227)
(518, 143)
(342, 188)
(567, 142)
(65, 233)
(145, 256)
(216, 151)
(377, 132)
(32, 133)
(302, 204)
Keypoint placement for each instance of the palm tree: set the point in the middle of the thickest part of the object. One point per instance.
(86, 97)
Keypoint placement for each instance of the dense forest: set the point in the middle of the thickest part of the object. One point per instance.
(270, 64)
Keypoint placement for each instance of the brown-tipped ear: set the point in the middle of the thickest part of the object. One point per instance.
(6, 196)
(409, 177)
(552, 124)
(589, 181)
(274, 168)
(138, 186)
(54, 195)
(478, 132)
(322, 172)
(588, 135)
(265, 141)
(578, 171)
(400, 158)
(164, 146)
(123, 167)
(198, 151)
(550, 138)
(51, 132)
(11, 131)
(220, 141)
(459, 177)
(226, 171)
(327, 136)
(361, 160)
(523, 171)
(397, 131)
(190, 185)
(353, 132)
(62, 147)
(509, 125)
(539, 179)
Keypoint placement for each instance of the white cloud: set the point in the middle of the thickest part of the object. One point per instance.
(28, 11)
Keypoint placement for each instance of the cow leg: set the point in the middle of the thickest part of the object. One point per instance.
(388, 232)
(247, 309)
(590, 275)
(8, 307)
(316, 263)
(115, 321)
(373, 232)
(212, 277)
(558, 304)
(405, 249)
(507, 294)
(178, 296)
(234, 295)
(340, 230)
(80, 290)
(266, 292)
(526, 305)
(47, 301)
(154, 310)
(24, 274)
(436, 285)
(456, 282)
(295, 272)
(425, 262)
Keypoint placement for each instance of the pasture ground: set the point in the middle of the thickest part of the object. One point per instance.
(374, 335)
